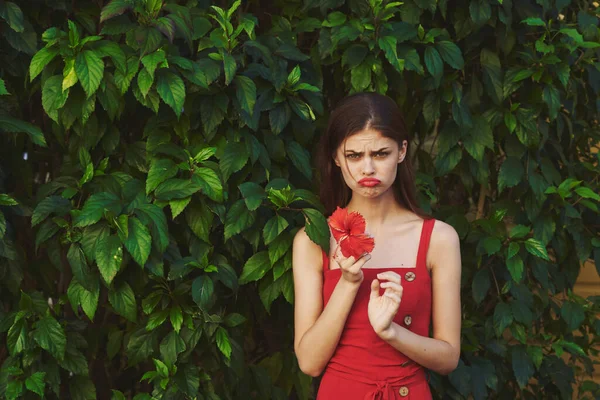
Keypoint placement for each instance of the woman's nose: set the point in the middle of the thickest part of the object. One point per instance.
(368, 166)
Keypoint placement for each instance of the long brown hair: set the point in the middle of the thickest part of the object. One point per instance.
(353, 114)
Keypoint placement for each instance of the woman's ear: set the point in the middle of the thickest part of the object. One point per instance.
(402, 151)
(336, 160)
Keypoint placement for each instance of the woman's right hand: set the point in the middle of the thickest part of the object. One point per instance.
(351, 267)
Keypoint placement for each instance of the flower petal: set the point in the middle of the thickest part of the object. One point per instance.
(337, 223)
(355, 223)
(357, 245)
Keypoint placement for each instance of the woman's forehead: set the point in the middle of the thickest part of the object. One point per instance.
(368, 138)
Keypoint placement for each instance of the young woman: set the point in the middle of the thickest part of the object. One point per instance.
(365, 322)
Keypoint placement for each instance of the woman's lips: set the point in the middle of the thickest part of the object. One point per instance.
(369, 182)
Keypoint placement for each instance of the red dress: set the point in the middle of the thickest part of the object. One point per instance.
(365, 367)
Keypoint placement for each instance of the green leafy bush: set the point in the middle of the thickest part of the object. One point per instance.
(156, 163)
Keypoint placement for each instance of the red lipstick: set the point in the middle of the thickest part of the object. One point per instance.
(369, 182)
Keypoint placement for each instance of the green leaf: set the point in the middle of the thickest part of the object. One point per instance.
(230, 67)
(294, 76)
(510, 121)
(171, 89)
(233, 159)
(537, 249)
(140, 346)
(279, 246)
(40, 60)
(573, 314)
(434, 64)
(114, 8)
(151, 61)
(522, 365)
(510, 174)
(178, 205)
(13, 15)
(13, 125)
(17, 337)
(300, 158)
(203, 291)
(316, 227)
(171, 346)
(451, 54)
(503, 317)
(273, 228)
(209, 182)
(53, 97)
(533, 21)
(176, 189)
(552, 98)
(200, 219)
(82, 388)
(90, 70)
(95, 207)
(245, 91)
(50, 335)
(587, 193)
(176, 318)
(389, 46)
(80, 268)
(515, 267)
(50, 205)
(122, 299)
(109, 255)
(234, 319)
(160, 231)
(480, 11)
(3, 90)
(36, 384)
(188, 380)
(160, 171)
(6, 200)
(361, 76)
(481, 285)
(492, 75)
(255, 268)
(87, 299)
(144, 81)
(223, 342)
(519, 231)
(253, 195)
(139, 241)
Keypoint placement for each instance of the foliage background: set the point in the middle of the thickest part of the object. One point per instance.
(156, 163)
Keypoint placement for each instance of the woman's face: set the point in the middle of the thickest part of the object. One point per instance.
(369, 162)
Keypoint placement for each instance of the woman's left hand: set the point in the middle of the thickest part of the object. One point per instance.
(383, 308)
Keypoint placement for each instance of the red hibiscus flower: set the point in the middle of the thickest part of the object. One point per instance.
(349, 232)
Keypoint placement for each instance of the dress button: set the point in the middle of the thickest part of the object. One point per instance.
(410, 276)
(407, 320)
(403, 391)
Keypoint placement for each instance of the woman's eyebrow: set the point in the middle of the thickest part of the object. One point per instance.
(372, 151)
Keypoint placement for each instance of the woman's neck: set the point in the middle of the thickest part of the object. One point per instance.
(377, 210)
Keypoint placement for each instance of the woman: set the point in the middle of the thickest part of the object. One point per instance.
(365, 322)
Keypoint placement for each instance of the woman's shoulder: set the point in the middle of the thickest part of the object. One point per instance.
(444, 233)
(304, 243)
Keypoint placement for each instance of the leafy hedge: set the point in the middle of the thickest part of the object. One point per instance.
(156, 163)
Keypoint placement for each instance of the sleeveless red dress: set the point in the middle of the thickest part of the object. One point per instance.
(365, 367)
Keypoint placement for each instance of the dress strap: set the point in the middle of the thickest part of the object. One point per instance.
(424, 243)
(325, 260)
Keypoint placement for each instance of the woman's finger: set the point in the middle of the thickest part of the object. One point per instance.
(393, 286)
(390, 276)
(392, 296)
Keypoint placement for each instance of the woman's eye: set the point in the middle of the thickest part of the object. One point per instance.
(381, 154)
(352, 156)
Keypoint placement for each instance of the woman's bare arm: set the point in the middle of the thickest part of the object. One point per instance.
(317, 331)
(440, 353)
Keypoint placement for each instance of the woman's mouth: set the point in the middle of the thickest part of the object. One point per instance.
(369, 182)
